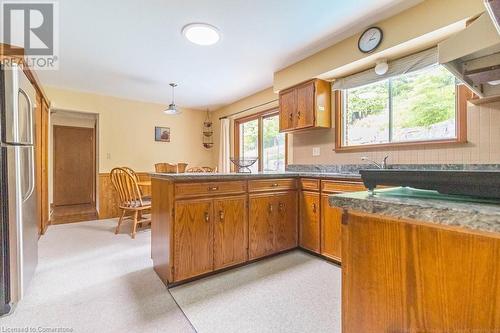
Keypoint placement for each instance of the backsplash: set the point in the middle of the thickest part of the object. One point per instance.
(354, 168)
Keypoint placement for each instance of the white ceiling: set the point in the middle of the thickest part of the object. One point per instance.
(134, 48)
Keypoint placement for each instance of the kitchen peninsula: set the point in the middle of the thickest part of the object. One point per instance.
(202, 223)
(419, 262)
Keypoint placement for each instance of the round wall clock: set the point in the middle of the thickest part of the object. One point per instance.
(370, 39)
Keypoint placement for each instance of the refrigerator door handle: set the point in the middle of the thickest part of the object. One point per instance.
(31, 177)
(30, 119)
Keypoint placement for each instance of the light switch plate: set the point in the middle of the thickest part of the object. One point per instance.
(316, 151)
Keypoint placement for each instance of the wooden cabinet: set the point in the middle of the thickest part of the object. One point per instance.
(309, 223)
(412, 276)
(193, 238)
(272, 223)
(307, 105)
(230, 231)
(331, 236)
(209, 234)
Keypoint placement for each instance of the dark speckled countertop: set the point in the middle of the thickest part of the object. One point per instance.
(475, 215)
(186, 177)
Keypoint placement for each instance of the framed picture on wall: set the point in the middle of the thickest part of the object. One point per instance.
(162, 134)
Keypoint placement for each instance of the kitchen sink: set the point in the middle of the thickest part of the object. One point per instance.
(408, 192)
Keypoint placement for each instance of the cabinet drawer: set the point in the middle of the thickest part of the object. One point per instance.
(263, 185)
(335, 186)
(209, 188)
(309, 184)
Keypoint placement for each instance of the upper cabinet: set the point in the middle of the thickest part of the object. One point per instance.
(307, 105)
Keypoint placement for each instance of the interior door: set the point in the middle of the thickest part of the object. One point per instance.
(285, 224)
(230, 231)
(193, 238)
(260, 225)
(305, 105)
(310, 221)
(331, 226)
(74, 165)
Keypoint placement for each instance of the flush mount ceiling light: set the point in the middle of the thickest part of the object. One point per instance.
(172, 108)
(201, 33)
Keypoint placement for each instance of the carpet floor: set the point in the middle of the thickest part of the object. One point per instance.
(91, 280)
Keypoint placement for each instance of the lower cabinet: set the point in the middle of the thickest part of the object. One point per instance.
(272, 223)
(193, 238)
(331, 236)
(209, 234)
(309, 223)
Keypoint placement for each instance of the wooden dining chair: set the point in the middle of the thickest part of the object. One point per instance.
(195, 170)
(166, 168)
(130, 196)
(181, 167)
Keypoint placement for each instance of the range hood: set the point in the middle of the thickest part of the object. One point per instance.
(473, 54)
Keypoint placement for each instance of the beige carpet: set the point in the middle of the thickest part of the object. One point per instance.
(91, 280)
(294, 292)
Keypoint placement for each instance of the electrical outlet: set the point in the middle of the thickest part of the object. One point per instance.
(108, 156)
(316, 151)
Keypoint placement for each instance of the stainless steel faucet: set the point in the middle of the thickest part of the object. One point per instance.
(382, 165)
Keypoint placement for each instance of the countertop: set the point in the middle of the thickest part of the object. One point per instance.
(185, 177)
(470, 215)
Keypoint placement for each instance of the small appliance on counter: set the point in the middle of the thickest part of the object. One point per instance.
(18, 217)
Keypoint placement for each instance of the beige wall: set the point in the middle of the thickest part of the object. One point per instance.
(483, 134)
(126, 130)
(412, 24)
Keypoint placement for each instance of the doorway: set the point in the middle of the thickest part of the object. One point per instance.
(74, 171)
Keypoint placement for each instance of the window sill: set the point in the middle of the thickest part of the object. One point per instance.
(409, 145)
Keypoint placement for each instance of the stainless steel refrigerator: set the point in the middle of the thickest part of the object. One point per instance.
(18, 227)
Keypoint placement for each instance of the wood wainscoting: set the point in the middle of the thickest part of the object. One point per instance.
(108, 197)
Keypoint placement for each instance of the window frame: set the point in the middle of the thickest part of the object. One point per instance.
(462, 95)
(260, 116)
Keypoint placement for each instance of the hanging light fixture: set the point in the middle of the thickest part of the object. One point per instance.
(172, 108)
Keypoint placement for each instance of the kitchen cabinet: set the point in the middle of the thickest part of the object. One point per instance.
(331, 235)
(194, 230)
(272, 223)
(230, 231)
(309, 224)
(413, 276)
(307, 105)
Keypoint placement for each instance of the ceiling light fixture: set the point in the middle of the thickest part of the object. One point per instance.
(172, 108)
(201, 33)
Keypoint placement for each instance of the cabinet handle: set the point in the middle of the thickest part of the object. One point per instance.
(298, 115)
(281, 207)
(270, 208)
(275, 185)
(314, 207)
(291, 116)
(207, 217)
(213, 188)
(221, 215)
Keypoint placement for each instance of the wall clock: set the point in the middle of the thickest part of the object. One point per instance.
(370, 39)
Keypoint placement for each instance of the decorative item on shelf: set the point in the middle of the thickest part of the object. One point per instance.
(243, 164)
(162, 134)
(208, 132)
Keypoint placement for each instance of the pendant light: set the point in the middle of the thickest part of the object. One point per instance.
(172, 108)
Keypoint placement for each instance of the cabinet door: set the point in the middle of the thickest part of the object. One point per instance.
(230, 231)
(193, 238)
(331, 223)
(260, 225)
(285, 221)
(288, 109)
(305, 105)
(310, 221)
